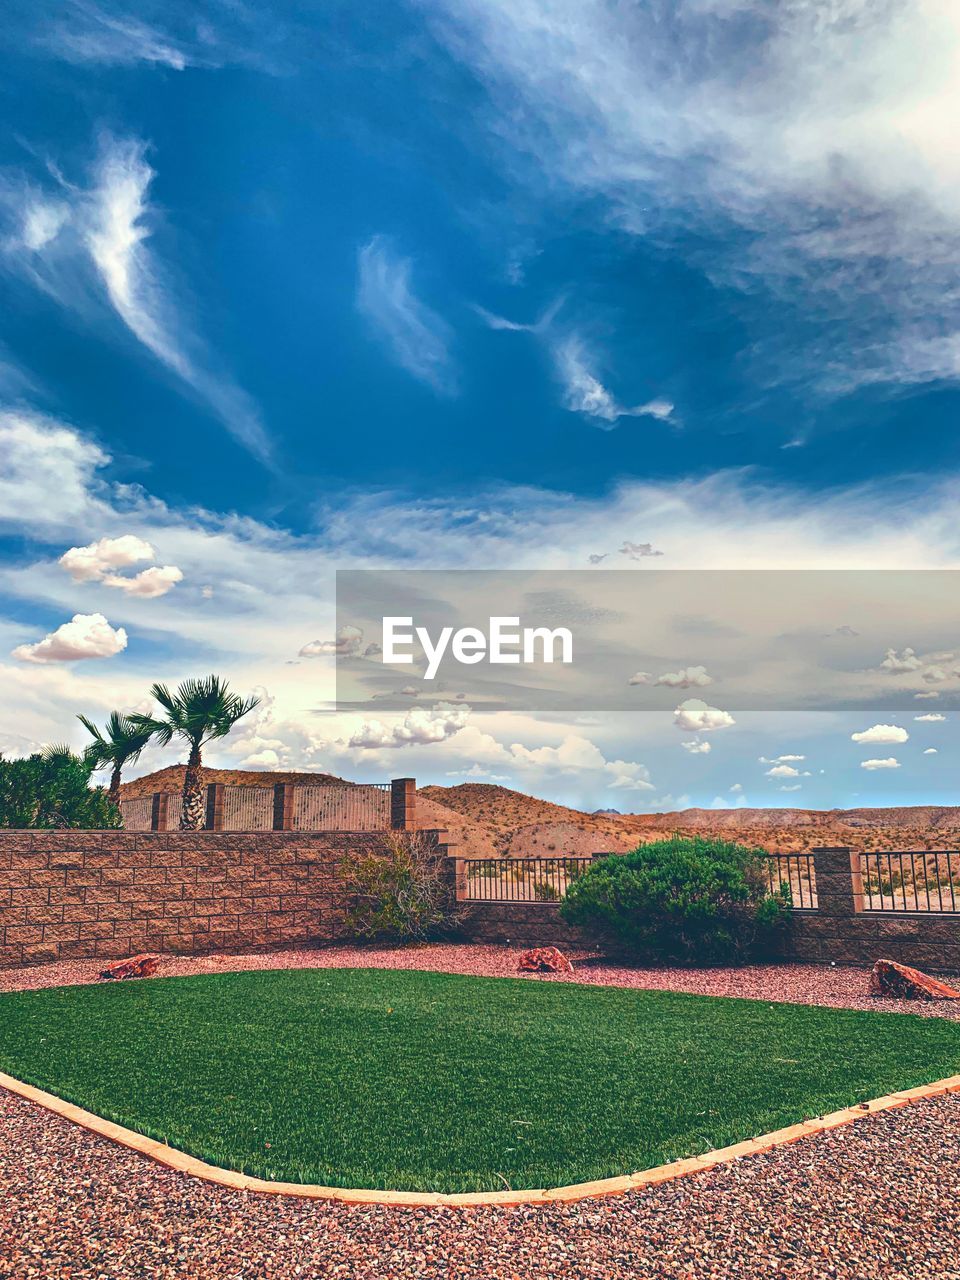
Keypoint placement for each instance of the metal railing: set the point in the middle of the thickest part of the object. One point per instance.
(137, 813)
(910, 881)
(796, 872)
(365, 807)
(324, 807)
(543, 880)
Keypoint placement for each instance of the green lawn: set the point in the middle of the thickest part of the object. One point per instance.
(425, 1081)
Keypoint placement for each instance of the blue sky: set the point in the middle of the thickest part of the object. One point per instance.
(485, 285)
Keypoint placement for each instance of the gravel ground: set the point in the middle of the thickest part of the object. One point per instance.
(879, 1198)
(797, 983)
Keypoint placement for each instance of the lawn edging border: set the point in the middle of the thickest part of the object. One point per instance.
(181, 1162)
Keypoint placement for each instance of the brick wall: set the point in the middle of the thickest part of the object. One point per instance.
(526, 924)
(77, 894)
(839, 932)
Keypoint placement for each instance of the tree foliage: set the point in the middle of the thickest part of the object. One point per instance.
(51, 790)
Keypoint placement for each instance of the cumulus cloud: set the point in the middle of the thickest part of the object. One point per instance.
(641, 677)
(99, 561)
(785, 771)
(419, 725)
(416, 337)
(697, 747)
(347, 644)
(86, 635)
(696, 715)
(880, 733)
(686, 678)
(889, 763)
(639, 550)
(895, 664)
(932, 717)
(930, 751)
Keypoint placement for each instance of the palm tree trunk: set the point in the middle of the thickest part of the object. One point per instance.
(113, 793)
(191, 819)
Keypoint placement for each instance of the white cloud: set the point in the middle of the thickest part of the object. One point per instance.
(880, 733)
(584, 393)
(686, 678)
(417, 338)
(109, 225)
(796, 786)
(696, 715)
(896, 664)
(697, 747)
(419, 725)
(87, 635)
(639, 550)
(822, 131)
(97, 562)
(785, 759)
(267, 759)
(641, 677)
(932, 717)
(930, 693)
(889, 763)
(347, 643)
(783, 771)
(930, 751)
(737, 786)
(89, 33)
(936, 675)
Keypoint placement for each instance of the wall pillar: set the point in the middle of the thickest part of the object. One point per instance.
(838, 896)
(214, 818)
(403, 804)
(283, 806)
(158, 811)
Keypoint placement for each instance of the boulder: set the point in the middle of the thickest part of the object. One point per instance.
(136, 967)
(900, 982)
(544, 960)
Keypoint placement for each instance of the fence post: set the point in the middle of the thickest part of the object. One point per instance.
(838, 894)
(283, 806)
(403, 804)
(158, 811)
(214, 821)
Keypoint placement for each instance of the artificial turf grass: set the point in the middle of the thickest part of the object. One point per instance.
(438, 1082)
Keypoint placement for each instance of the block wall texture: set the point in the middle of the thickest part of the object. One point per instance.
(80, 894)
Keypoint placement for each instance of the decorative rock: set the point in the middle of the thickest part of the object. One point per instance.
(136, 967)
(903, 983)
(544, 960)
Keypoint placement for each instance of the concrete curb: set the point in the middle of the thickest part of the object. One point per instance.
(183, 1163)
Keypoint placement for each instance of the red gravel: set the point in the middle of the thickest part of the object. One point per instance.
(880, 1198)
(796, 983)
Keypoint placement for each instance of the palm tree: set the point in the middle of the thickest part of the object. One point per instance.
(119, 744)
(198, 712)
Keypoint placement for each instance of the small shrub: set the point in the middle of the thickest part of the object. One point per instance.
(402, 895)
(691, 900)
(543, 891)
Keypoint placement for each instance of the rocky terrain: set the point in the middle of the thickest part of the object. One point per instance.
(488, 821)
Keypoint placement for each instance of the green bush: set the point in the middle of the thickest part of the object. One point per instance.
(52, 790)
(691, 900)
(405, 894)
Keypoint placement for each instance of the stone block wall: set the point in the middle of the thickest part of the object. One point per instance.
(82, 894)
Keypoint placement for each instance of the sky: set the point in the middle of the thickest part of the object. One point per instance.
(493, 284)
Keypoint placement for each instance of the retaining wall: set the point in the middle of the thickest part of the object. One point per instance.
(80, 894)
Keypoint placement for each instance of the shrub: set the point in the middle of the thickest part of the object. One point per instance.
(691, 900)
(402, 895)
(52, 790)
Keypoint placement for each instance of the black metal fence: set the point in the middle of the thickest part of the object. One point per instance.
(794, 872)
(910, 881)
(542, 880)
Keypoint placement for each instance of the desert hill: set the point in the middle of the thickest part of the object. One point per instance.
(171, 780)
(492, 821)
